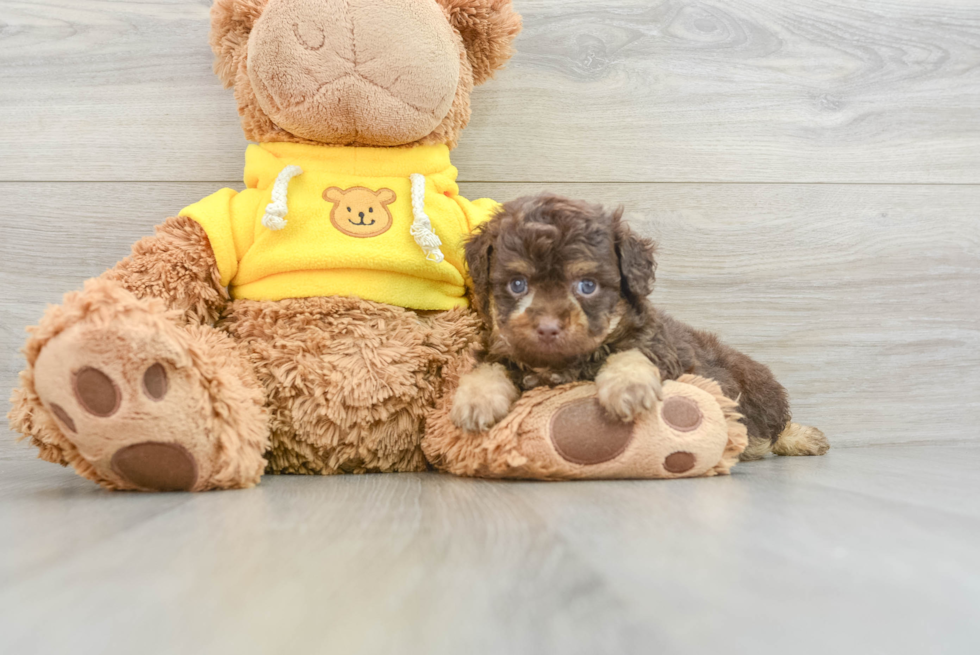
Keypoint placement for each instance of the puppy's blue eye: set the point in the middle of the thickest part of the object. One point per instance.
(517, 286)
(587, 287)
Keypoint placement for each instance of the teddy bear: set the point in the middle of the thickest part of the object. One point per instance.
(303, 324)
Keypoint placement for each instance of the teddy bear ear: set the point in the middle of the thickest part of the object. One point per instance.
(488, 28)
(231, 22)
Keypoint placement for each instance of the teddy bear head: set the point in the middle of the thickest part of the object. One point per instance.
(359, 72)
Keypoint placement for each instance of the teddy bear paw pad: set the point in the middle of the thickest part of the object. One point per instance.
(96, 392)
(130, 402)
(155, 382)
(692, 434)
(583, 433)
(682, 414)
(680, 461)
(156, 466)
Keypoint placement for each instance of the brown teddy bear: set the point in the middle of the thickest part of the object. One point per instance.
(301, 325)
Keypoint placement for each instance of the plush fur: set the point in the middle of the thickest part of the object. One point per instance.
(488, 29)
(231, 388)
(315, 385)
(522, 445)
(178, 267)
(347, 381)
(562, 288)
(214, 407)
(483, 32)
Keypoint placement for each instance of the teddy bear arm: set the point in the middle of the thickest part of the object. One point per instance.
(178, 266)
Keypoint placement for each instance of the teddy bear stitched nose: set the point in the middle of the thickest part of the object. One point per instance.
(361, 214)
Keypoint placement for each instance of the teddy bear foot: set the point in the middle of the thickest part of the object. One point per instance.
(153, 406)
(566, 433)
(126, 405)
(685, 435)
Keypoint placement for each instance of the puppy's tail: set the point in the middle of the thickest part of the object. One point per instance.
(795, 439)
(799, 439)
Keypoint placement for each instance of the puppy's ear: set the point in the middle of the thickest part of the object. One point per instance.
(488, 28)
(479, 254)
(231, 23)
(637, 267)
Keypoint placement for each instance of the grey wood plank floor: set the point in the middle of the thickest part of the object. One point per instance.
(868, 550)
(812, 172)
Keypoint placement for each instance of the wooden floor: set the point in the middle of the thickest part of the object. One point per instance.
(812, 172)
(868, 550)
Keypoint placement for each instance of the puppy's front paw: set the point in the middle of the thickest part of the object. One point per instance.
(628, 385)
(483, 398)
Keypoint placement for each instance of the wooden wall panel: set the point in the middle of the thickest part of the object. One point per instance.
(862, 298)
(628, 90)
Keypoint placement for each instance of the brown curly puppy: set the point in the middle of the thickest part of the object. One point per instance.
(562, 287)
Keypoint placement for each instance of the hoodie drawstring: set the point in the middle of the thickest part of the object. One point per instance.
(421, 225)
(275, 211)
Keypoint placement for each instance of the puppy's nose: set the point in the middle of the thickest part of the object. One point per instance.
(361, 214)
(548, 329)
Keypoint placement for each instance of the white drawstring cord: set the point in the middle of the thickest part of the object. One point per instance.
(421, 229)
(275, 211)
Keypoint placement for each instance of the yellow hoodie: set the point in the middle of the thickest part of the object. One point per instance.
(338, 221)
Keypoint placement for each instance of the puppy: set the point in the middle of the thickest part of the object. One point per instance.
(562, 286)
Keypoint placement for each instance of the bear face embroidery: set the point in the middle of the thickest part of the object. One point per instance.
(359, 211)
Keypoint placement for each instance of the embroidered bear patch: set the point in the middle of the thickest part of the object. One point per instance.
(359, 211)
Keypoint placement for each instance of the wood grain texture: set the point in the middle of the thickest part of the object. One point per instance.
(862, 551)
(862, 298)
(629, 90)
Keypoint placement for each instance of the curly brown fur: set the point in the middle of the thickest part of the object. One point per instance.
(534, 266)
